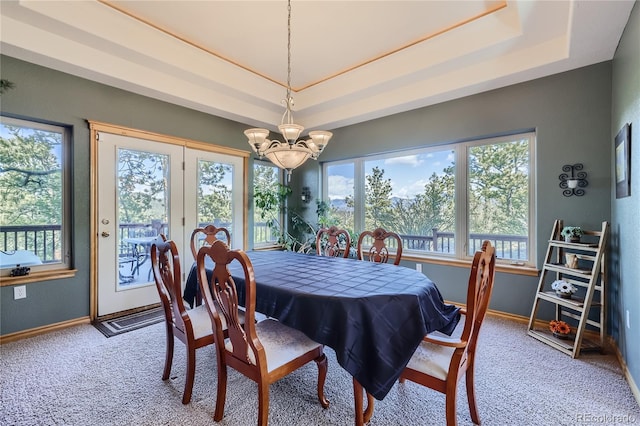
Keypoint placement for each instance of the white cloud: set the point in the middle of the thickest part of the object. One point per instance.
(411, 160)
(409, 191)
(339, 187)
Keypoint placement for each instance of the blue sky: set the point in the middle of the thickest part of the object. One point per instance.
(408, 173)
(27, 132)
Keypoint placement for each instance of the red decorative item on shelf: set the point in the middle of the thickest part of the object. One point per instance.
(560, 329)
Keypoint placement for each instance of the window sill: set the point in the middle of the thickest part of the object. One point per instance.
(500, 267)
(268, 247)
(38, 276)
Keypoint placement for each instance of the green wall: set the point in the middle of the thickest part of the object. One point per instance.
(625, 222)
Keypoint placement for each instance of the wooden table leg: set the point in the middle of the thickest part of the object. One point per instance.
(362, 415)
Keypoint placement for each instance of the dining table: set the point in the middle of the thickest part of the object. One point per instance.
(373, 315)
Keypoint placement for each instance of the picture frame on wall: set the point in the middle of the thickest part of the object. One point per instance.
(623, 162)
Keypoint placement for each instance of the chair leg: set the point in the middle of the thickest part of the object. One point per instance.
(321, 362)
(471, 396)
(191, 373)
(222, 387)
(263, 403)
(450, 401)
(168, 360)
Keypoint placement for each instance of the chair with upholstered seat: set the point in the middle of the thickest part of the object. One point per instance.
(333, 241)
(440, 361)
(192, 327)
(265, 351)
(206, 236)
(374, 246)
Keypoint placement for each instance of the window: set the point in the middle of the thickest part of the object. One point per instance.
(444, 200)
(267, 210)
(34, 180)
(340, 193)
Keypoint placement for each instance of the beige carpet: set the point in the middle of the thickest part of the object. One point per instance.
(78, 377)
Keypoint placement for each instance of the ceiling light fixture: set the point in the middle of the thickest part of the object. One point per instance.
(292, 152)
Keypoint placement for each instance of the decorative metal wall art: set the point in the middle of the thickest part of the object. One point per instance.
(573, 180)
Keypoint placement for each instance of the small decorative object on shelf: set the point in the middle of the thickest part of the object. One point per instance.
(572, 260)
(563, 288)
(560, 329)
(572, 234)
(20, 271)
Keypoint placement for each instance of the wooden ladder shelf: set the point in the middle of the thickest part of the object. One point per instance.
(587, 306)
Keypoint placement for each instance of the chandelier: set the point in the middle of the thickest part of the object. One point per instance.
(292, 152)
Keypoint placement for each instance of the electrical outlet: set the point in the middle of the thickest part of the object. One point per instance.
(19, 292)
(419, 267)
(628, 320)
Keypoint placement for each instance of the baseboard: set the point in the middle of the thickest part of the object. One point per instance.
(507, 315)
(632, 384)
(128, 312)
(19, 335)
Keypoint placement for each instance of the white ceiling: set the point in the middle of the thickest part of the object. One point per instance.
(351, 60)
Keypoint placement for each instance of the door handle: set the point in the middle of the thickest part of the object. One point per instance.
(105, 234)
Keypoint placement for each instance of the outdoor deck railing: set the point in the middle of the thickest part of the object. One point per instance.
(512, 247)
(45, 240)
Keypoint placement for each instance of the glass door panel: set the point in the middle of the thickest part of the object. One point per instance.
(143, 212)
(218, 195)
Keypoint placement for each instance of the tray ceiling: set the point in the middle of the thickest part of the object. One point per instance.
(351, 60)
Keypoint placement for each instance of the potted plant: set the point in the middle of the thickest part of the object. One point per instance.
(572, 234)
(300, 234)
(560, 329)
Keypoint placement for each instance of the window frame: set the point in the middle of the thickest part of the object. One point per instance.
(461, 151)
(50, 270)
(281, 217)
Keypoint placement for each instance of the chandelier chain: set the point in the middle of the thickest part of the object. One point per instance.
(289, 100)
(289, 51)
(292, 152)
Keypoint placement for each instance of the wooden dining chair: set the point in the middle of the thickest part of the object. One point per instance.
(206, 236)
(333, 242)
(440, 361)
(265, 351)
(378, 250)
(192, 327)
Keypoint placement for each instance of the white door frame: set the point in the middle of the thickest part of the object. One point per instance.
(97, 127)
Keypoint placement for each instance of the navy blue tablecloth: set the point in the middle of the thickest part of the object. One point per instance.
(372, 315)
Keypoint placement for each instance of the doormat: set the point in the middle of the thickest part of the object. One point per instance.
(119, 325)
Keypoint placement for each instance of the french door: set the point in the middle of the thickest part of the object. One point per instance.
(215, 195)
(150, 188)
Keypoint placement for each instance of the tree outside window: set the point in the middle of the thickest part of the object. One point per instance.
(267, 217)
(417, 194)
(32, 195)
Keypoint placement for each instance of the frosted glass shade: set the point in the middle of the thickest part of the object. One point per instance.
(291, 132)
(288, 156)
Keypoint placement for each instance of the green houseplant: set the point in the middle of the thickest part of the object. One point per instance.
(299, 234)
(572, 233)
